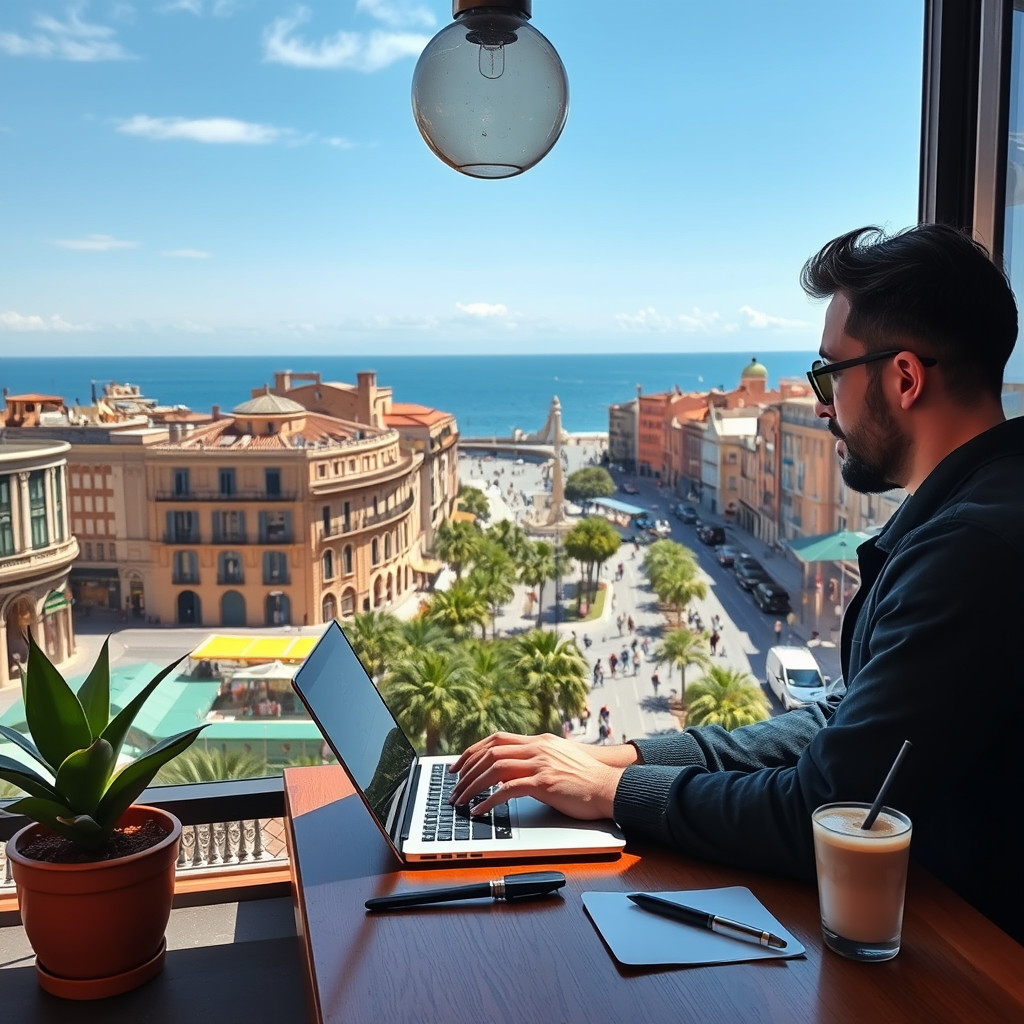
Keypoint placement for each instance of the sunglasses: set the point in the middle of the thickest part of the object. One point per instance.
(820, 373)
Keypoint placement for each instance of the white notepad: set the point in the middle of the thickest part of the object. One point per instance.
(637, 937)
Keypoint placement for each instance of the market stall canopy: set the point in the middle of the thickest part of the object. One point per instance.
(254, 649)
(614, 505)
(263, 673)
(829, 547)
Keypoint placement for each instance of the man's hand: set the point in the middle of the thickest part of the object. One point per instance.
(574, 778)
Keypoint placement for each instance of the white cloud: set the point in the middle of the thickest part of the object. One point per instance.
(761, 321)
(483, 310)
(186, 254)
(340, 143)
(206, 129)
(73, 39)
(651, 321)
(188, 6)
(21, 324)
(356, 51)
(94, 243)
(397, 13)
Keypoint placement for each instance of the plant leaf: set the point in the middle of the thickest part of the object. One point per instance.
(46, 812)
(118, 728)
(24, 778)
(24, 742)
(94, 693)
(82, 778)
(135, 777)
(54, 715)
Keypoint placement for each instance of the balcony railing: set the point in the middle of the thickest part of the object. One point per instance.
(275, 496)
(24, 563)
(185, 577)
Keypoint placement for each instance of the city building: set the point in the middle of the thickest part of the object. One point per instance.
(36, 552)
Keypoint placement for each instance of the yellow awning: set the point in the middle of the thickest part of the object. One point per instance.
(462, 516)
(254, 649)
(429, 566)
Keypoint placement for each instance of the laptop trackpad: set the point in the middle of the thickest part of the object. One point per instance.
(532, 814)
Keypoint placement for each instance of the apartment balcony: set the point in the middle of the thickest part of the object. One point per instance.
(367, 522)
(250, 496)
(230, 579)
(183, 537)
(25, 565)
(185, 578)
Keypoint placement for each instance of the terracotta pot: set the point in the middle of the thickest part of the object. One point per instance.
(98, 929)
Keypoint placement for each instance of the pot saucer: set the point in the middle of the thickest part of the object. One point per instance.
(100, 988)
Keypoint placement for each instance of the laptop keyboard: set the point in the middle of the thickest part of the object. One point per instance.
(443, 822)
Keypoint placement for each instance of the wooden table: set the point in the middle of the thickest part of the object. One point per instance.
(544, 962)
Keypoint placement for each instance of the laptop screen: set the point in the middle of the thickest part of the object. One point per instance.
(356, 722)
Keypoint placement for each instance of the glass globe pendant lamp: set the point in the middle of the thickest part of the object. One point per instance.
(490, 94)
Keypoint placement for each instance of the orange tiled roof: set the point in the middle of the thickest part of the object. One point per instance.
(227, 434)
(35, 398)
(413, 415)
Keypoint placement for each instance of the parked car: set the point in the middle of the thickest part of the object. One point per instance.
(662, 527)
(688, 514)
(629, 487)
(644, 522)
(727, 554)
(711, 535)
(749, 572)
(770, 597)
(794, 677)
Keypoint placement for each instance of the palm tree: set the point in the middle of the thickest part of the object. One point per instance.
(431, 693)
(678, 584)
(505, 705)
(555, 674)
(492, 576)
(664, 555)
(201, 764)
(373, 636)
(683, 648)
(591, 542)
(419, 634)
(457, 610)
(726, 697)
(456, 544)
(511, 536)
(474, 501)
(538, 566)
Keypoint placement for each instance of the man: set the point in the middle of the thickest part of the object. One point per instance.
(915, 340)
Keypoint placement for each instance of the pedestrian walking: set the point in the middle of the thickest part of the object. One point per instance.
(630, 624)
(585, 720)
(624, 659)
(713, 640)
(645, 646)
(613, 662)
(636, 663)
(655, 683)
(778, 630)
(620, 622)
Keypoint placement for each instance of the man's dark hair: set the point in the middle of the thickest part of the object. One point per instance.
(930, 288)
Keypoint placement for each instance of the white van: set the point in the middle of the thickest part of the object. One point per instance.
(794, 677)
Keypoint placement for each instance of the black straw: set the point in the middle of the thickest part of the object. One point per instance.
(877, 805)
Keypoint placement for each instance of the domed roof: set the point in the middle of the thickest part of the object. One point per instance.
(754, 370)
(268, 405)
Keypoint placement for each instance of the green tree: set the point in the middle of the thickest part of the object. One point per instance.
(492, 577)
(473, 500)
(591, 542)
(420, 633)
(511, 536)
(664, 555)
(431, 692)
(457, 610)
(682, 648)
(202, 764)
(374, 637)
(726, 697)
(537, 567)
(584, 485)
(504, 703)
(456, 544)
(555, 674)
(678, 584)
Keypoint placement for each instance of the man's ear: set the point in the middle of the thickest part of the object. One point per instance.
(910, 377)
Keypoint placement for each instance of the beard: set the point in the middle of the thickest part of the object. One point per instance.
(876, 449)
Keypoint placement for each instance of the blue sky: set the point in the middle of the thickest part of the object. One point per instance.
(245, 176)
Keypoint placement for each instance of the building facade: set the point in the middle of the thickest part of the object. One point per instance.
(36, 552)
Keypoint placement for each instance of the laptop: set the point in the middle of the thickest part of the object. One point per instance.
(407, 794)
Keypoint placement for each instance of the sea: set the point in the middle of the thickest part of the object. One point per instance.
(490, 395)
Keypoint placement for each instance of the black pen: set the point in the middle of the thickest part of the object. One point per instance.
(702, 919)
(511, 887)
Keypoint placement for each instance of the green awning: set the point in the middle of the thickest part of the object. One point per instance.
(829, 547)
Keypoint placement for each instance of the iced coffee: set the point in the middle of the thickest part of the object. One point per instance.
(862, 876)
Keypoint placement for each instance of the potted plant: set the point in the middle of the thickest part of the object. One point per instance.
(95, 874)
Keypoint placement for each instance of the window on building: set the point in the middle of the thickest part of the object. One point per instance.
(346, 516)
(100, 556)
(112, 551)
(181, 484)
(229, 527)
(58, 502)
(272, 482)
(346, 560)
(387, 546)
(37, 508)
(186, 567)
(275, 527)
(275, 567)
(226, 481)
(87, 551)
(375, 551)
(328, 566)
(6, 517)
(182, 527)
(229, 568)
